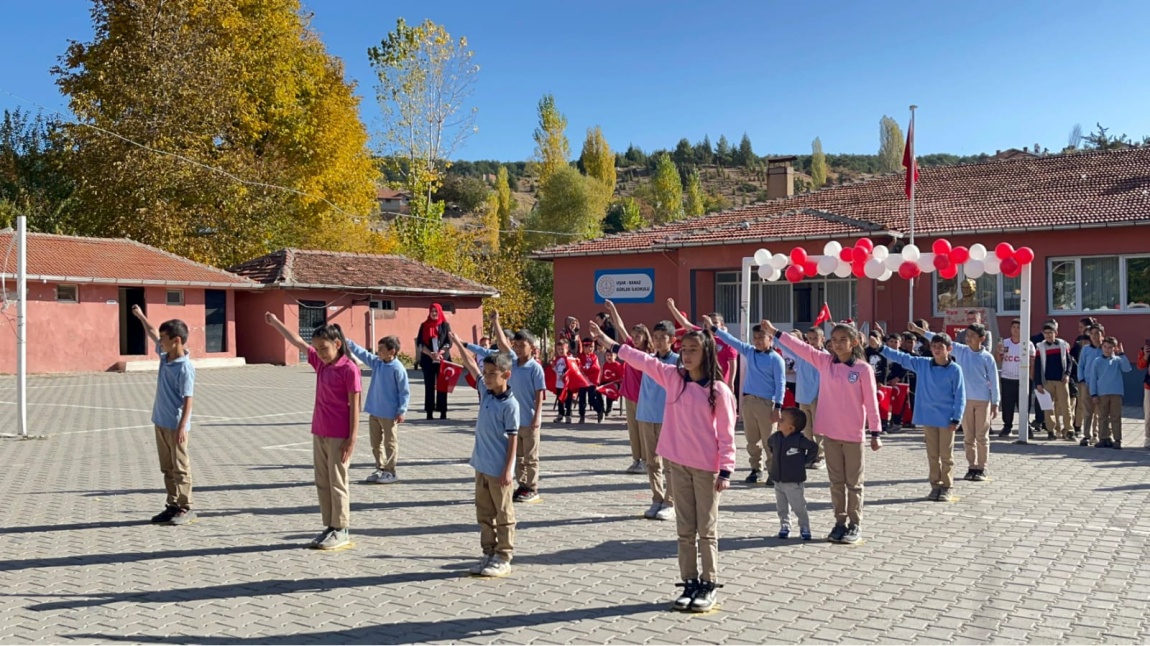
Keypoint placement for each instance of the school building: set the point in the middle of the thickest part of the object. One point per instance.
(1085, 216)
(369, 296)
(80, 295)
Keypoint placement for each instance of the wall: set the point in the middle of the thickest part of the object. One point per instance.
(256, 342)
(575, 288)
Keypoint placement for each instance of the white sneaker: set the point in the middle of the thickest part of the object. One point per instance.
(375, 476)
(496, 567)
(387, 477)
(335, 540)
(567, 420)
(636, 467)
(665, 513)
(482, 564)
(654, 509)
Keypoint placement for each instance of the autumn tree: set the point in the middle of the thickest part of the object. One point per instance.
(571, 205)
(552, 150)
(891, 145)
(666, 191)
(693, 196)
(505, 202)
(818, 165)
(597, 159)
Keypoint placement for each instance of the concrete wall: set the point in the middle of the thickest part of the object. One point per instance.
(575, 288)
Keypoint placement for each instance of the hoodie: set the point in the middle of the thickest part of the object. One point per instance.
(790, 456)
(941, 396)
(389, 393)
(1104, 377)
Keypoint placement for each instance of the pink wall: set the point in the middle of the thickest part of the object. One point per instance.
(256, 342)
(85, 336)
(575, 288)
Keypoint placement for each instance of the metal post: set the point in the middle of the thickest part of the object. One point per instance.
(1024, 358)
(745, 301)
(913, 184)
(22, 325)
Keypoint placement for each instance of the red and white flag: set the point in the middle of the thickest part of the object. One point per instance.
(909, 162)
(824, 315)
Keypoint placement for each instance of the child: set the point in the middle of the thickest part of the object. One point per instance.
(807, 391)
(698, 441)
(589, 365)
(611, 375)
(493, 459)
(1105, 381)
(1144, 366)
(849, 409)
(1085, 396)
(640, 339)
(980, 378)
(1010, 357)
(386, 404)
(172, 416)
(1052, 374)
(792, 453)
(762, 392)
(727, 355)
(562, 364)
(941, 406)
(334, 422)
(652, 406)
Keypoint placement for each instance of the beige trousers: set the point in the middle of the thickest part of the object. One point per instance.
(527, 458)
(661, 491)
(757, 426)
(940, 455)
(845, 471)
(1059, 419)
(496, 515)
(633, 430)
(176, 466)
(976, 433)
(696, 521)
(809, 430)
(331, 481)
(384, 442)
(1109, 415)
(1084, 412)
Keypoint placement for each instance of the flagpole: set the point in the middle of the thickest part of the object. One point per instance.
(910, 306)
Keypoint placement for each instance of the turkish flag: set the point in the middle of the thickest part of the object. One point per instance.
(824, 315)
(610, 391)
(449, 376)
(470, 380)
(909, 162)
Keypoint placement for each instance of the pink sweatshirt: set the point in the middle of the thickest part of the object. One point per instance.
(848, 398)
(691, 436)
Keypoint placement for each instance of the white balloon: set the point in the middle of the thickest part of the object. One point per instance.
(880, 252)
(925, 262)
(765, 271)
(893, 261)
(832, 248)
(775, 275)
(974, 268)
(992, 265)
(827, 264)
(977, 251)
(886, 275)
(779, 261)
(762, 257)
(873, 268)
(843, 269)
(910, 253)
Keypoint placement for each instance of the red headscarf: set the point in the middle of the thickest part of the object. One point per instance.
(430, 329)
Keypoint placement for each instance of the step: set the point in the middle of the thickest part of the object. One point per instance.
(152, 365)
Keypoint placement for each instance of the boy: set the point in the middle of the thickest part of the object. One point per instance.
(1104, 379)
(649, 413)
(980, 378)
(589, 365)
(762, 392)
(792, 453)
(493, 459)
(1087, 356)
(1052, 374)
(807, 391)
(612, 374)
(386, 404)
(941, 404)
(1010, 358)
(172, 416)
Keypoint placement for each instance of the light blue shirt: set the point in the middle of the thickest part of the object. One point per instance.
(1104, 376)
(806, 378)
(766, 371)
(176, 381)
(526, 380)
(1085, 356)
(979, 372)
(940, 391)
(389, 392)
(497, 423)
(652, 396)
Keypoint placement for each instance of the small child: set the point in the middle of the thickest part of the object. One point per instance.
(612, 374)
(1104, 379)
(589, 366)
(1144, 366)
(334, 423)
(172, 416)
(386, 404)
(792, 453)
(562, 364)
(493, 458)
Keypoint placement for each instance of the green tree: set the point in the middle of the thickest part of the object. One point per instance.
(666, 191)
(746, 155)
(715, 202)
(1101, 140)
(467, 193)
(597, 159)
(723, 150)
(693, 196)
(552, 150)
(818, 164)
(635, 155)
(33, 181)
(506, 203)
(571, 204)
(704, 154)
(684, 154)
(891, 145)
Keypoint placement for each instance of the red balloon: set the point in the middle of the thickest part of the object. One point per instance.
(798, 256)
(794, 273)
(941, 247)
(859, 269)
(859, 254)
(865, 243)
(1010, 266)
(1024, 255)
(1004, 251)
(847, 254)
(959, 255)
(908, 270)
(811, 268)
(942, 262)
(951, 271)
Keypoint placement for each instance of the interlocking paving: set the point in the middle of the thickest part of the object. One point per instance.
(1052, 550)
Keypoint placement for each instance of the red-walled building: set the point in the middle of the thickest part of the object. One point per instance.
(1084, 215)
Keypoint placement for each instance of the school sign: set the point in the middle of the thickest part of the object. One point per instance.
(625, 285)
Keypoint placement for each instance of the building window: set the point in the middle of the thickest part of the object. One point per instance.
(67, 294)
(1099, 283)
(997, 292)
(175, 297)
(786, 304)
(378, 304)
(448, 306)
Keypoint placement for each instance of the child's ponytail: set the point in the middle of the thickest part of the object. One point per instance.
(332, 332)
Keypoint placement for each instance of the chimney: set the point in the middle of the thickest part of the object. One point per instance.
(780, 177)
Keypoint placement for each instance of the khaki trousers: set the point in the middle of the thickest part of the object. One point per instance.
(940, 455)
(696, 521)
(845, 471)
(633, 430)
(331, 481)
(496, 515)
(660, 491)
(809, 430)
(976, 433)
(176, 467)
(1109, 414)
(1084, 411)
(1059, 419)
(384, 442)
(757, 426)
(527, 458)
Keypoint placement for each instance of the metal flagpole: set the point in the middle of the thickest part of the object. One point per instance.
(22, 325)
(910, 169)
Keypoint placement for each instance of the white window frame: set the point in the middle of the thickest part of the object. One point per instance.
(1077, 260)
(384, 305)
(168, 297)
(75, 289)
(999, 296)
(733, 278)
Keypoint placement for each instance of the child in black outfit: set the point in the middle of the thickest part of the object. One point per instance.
(791, 455)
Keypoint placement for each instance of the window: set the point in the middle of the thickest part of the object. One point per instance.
(175, 297)
(377, 304)
(67, 294)
(1099, 283)
(448, 306)
(784, 303)
(998, 292)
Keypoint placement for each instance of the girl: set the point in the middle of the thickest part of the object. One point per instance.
(433, 346)
(848, 405)
(639, 338)
(568, 379)
(698, 442)
(333, 425)
(571, 331)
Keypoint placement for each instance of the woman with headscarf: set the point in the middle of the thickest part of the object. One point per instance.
(433, 346)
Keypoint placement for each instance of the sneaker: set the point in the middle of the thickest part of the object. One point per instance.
(1085, 442)
(805, 533)
(183, 517)
(769, 482)
(518, 495)
(600, 416)
(690, 588)
(1077, 431)
(477, 569)
(529, 497)
(837, 533)
(944, 495)
(336, 539)
(935, 492)
(652, 510)
(705, 597)
(163, 517)
(559, 420)
(388, 478)
(636, 467)
(1050, 435)
(969, 475)
(1116, 444)
(1004, 433)
(819, 464)
(784, 532)
(375, 476)
(567, 419)
(754, 476)
(666, 512)
(496, 568)
(443, 416)
(853, 535)
(430, 415)
(979, 476)
(315, 542)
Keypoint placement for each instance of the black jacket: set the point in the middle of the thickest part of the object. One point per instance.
(790, 455)
(443, 339)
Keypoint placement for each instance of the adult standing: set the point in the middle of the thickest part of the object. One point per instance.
(433, 346)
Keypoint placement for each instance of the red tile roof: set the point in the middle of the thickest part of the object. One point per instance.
(110, 260)
(337, 270)
(390, 194)
(1078, 190)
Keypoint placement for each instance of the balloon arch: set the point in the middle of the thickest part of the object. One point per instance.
(877, 262)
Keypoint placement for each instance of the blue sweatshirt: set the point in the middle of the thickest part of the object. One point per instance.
(941, 396)
(526, 380)
(766, 371)
(1087, 354)
(1104, 377)
(979, 372)
(388, 394)
(806, 378)
(652, 396)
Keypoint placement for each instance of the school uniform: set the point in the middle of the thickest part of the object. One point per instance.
(980, 378)
(1050, 368)
(763, 394)
(941, 403)
(330, 428)
(387, 398)
(1105, 380)
(629, 390)
(649, 414)
(497, 423)
(176, 382)
(807, 396)
(1090, 423)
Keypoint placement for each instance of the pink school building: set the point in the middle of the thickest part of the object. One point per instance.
(1085, 215)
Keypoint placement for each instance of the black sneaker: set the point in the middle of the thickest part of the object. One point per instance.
(690, 587)
(164, 517)
(969, 475)
(1050, 435)
(754, 476)
(430, 415)
(600, 420)
(183, 517)
(944, 495)
(769, 482)
(935, 492)
(518, 495)
(1077, 432)
(529, 497)
(1085, 442)
(853, 535)
(443, 415)
(1116, 444)
(837, 533)
(1004, 433)
(705, 597)
(979, 476)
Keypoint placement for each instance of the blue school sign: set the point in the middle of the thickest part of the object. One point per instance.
(625, 285)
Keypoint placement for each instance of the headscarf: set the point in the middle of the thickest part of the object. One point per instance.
(429, 329)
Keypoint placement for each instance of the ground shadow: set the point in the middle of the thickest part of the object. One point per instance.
(12, 565)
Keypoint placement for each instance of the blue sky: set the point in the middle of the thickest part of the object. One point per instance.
(986, 75)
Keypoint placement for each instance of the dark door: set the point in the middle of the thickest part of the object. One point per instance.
(216, 320)
(133, 337)
(804, 301)
(312, 314)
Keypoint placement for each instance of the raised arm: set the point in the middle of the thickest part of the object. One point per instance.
(152, 333)
(664, 374)
(728, 338)
(466, 358)
(620, 326)
(801, 349)
(497, 330)
(908, 361)
(291, 337)
(362, 354)
(678, 316)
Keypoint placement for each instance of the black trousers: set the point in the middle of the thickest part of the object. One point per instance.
(1008, 390)
(432, 401)
(565, 403)
(590, 393)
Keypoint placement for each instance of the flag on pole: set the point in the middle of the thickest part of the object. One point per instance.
(909, 162)
(824, 315)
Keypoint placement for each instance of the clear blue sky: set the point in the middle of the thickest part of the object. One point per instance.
(986, 75)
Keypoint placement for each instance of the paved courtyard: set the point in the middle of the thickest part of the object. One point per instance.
(1052, 550)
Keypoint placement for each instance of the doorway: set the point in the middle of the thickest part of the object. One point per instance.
(133, 336)
(215, 320)
(312, 314)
